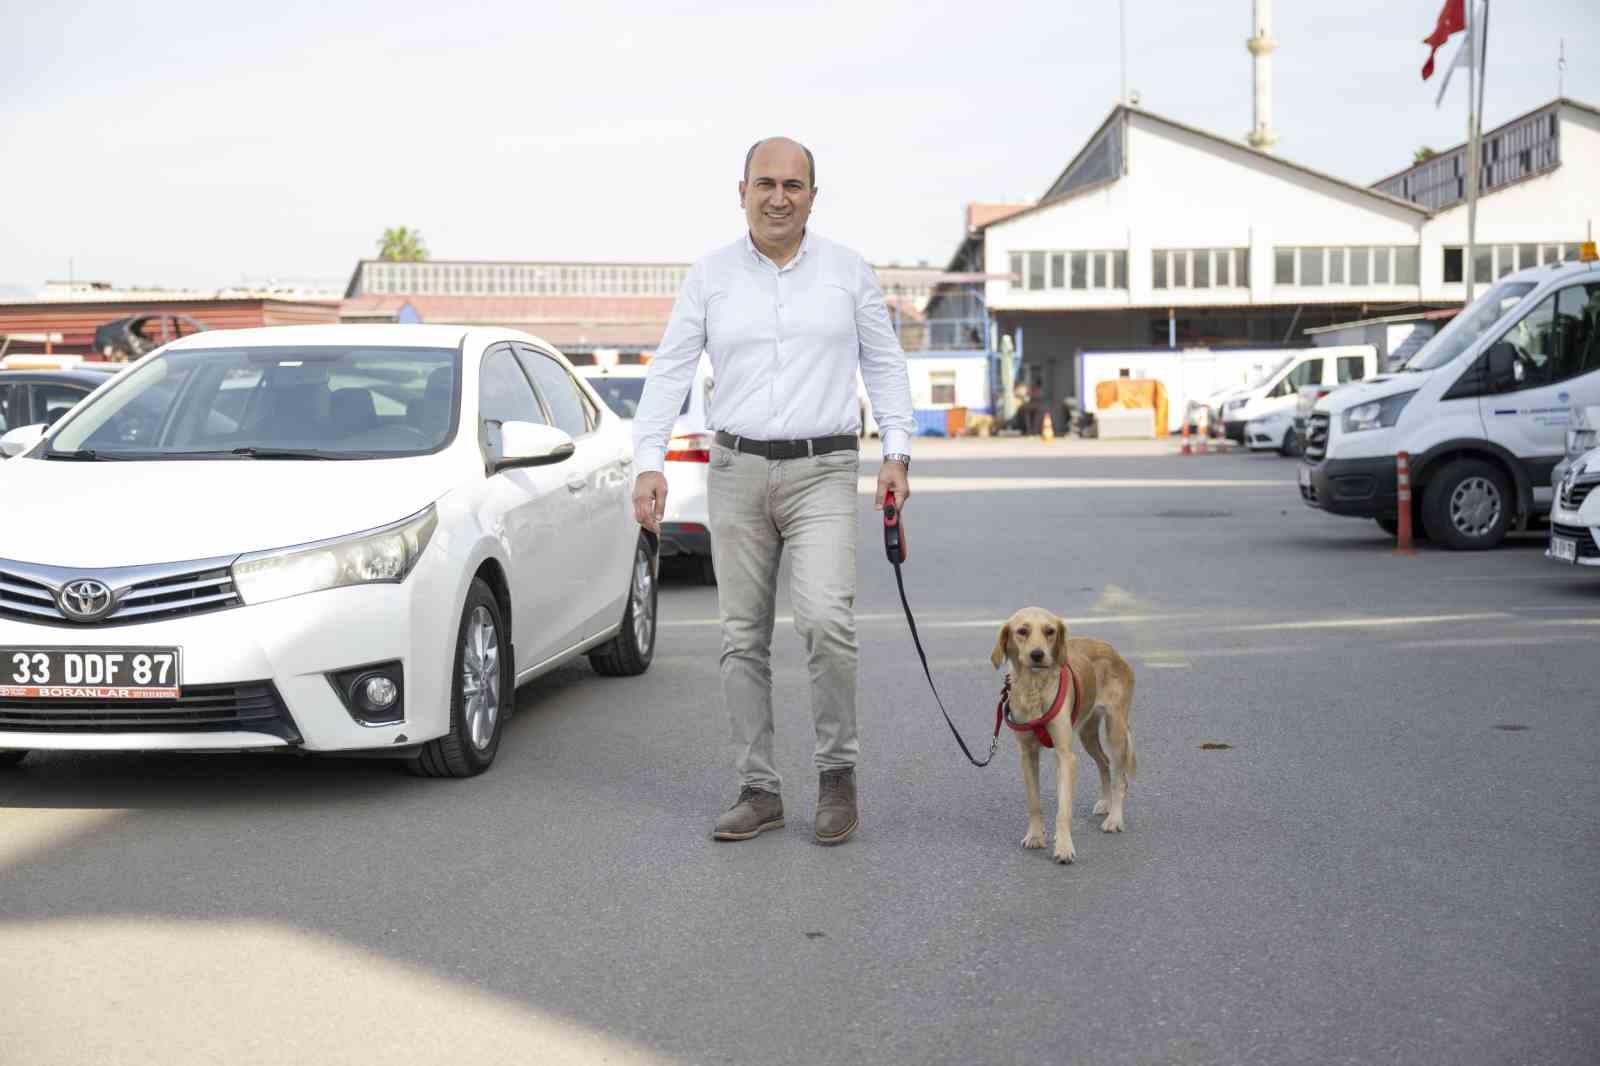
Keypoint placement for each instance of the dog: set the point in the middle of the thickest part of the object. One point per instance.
(1035, 642)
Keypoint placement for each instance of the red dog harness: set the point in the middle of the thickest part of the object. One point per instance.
(1002, 711)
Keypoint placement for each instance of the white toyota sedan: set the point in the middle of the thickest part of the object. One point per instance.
(323, 538)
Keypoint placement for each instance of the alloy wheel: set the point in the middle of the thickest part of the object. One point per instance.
(480, 677)
(644, 611)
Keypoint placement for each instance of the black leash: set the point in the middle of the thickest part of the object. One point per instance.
(894, 545)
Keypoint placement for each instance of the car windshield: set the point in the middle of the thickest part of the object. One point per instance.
(322, 402)
(1469, 325)
(622, 394)
(1262, 374)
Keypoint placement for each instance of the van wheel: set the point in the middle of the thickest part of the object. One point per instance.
(1291, 443)
(11, 757)
(1467, 506)
(629, 652)
(481, 693)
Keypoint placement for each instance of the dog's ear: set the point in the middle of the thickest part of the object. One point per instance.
(1061, 640)
(1001, 645)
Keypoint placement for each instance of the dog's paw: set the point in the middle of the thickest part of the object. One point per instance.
(1064, 853)
(1112, 824)
(1034, 839)
(1102, 807)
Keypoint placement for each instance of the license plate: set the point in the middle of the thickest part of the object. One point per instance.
(90, 673)
(1564, 549)
(1305, 477)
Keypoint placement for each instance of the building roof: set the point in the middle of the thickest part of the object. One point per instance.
(1560, 101)
(981, 215)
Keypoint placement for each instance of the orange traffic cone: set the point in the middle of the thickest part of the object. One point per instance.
(1048, 430)
(1186, 449)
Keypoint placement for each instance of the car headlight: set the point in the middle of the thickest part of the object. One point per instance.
(376, 556)
(1376, 414)
(1580, 441)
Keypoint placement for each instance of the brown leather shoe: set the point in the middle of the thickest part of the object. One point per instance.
(836, 806)
(754, 812)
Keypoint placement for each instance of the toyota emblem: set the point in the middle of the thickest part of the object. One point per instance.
(86, 600)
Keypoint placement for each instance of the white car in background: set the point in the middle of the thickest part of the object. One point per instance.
(1574, 507)
(686, 526)
(317, 538)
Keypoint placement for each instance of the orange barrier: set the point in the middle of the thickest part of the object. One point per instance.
(1402, 481)
(1134, 393)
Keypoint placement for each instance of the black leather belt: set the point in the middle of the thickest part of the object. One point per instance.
(789, 449)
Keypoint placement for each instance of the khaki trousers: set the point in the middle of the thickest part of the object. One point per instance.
(759, 507)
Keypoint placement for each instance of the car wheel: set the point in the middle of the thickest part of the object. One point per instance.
(706, 570)
(630, 651)
(481, 692)
(1291, 444)
(1467, 506)
(11, 757)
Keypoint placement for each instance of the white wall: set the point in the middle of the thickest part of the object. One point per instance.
(972, 380)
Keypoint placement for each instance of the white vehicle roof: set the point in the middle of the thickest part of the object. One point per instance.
(624, 370)
(396, 335)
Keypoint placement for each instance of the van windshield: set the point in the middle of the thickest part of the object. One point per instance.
(1469, 325)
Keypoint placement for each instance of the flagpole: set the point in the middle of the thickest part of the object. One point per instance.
(1472, 151)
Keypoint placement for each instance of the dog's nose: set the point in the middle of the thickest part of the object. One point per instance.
(1036, 655)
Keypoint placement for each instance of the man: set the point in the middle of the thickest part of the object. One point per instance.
(788, 319)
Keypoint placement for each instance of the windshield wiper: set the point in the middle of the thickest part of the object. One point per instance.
(87, 455)
(282, 453)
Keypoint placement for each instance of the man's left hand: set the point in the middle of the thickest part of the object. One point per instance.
(892, 477)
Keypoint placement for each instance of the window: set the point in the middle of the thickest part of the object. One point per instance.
(1018, 268)
(1119, 270)
(1283, 266)
(1454, 268)
(1505, 259)
(943, 385)
(1241, 267)
(1080, 270)
(51, 401)
(1380, 266)
(1335, 266)
(1361, 264)
(1035, 271)
(1482, 264)
(1557, 340)
(1527, 256)
(504, 394)
(1098, 259)
(1180, 270)
(1311, 266)
(1058, 270)
(1202, 269)
(1351, 368)
(1158, 270)
(1406, 266)
(561, 394)
(6, 391)
(1307, 373)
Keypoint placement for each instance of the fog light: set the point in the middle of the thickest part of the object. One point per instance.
(379, 693)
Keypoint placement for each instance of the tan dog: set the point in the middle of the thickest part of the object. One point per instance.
(1035, 642)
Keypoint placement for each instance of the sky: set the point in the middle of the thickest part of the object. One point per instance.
(184, 143)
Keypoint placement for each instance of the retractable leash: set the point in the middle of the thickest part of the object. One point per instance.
(895, 546)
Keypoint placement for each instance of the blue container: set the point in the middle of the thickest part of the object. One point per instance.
(930, 422)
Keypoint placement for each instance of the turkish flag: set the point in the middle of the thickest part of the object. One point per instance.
(1452, 20)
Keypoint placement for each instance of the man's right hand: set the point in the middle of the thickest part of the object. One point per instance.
(650, 499)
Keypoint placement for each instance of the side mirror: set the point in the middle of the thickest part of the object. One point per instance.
(1502, 365)
(530, 444)
(20, 440)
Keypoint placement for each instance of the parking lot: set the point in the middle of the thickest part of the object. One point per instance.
(1363, 828)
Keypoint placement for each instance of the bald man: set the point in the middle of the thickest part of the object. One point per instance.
(789, 319)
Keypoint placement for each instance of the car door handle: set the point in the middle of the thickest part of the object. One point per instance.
(577, 484)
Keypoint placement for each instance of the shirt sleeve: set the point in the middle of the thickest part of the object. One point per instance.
(671, 374)
(883, 364)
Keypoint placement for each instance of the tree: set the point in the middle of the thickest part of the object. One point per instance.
(1422, 155)
(402, 245)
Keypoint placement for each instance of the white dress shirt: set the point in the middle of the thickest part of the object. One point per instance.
(785, 345)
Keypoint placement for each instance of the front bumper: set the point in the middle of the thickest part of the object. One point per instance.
(1233, 429)
(1360, 488)
(281, 650)
(1565, 523)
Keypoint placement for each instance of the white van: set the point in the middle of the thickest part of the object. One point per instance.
(1482, 408)
(1270, 404)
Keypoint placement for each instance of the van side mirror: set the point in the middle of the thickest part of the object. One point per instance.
(20, 440)
(1504, 369)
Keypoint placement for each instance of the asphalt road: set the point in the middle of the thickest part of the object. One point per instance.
(1395, 861)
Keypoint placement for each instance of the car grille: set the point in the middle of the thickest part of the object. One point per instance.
(1587, 548)
(1573, 493)
(251, 707)
(149, 594)
(1317, 435)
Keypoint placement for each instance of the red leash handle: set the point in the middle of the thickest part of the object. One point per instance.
(894, 531)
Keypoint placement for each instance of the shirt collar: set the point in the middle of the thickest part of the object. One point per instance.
(805, 246)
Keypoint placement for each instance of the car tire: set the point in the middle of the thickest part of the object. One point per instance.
(11, 757)
(1467, 506)
(705, 570)
(1291, 444)
(628, 654)
(481, 693)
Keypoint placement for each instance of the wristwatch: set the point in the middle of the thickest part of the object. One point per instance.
(898, 457)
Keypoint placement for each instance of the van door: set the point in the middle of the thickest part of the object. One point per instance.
(1555, 365)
